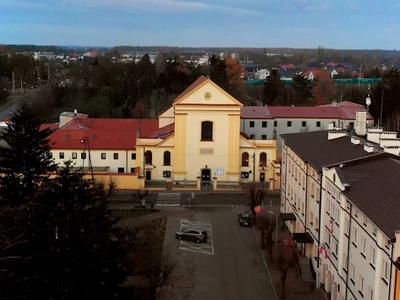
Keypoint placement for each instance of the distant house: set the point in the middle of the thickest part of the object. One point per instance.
(91, 53)
(308, 75)
(262, 74)
(334, 73)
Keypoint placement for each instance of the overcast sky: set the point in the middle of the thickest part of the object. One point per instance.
(341, 24)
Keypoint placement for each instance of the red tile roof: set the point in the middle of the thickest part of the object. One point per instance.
(163, 132)
(49, 126)
(346, 111)
(191, 87)
(107, 134)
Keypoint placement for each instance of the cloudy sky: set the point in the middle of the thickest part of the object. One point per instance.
(342, 24)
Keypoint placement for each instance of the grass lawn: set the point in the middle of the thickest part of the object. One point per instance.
(132, 213)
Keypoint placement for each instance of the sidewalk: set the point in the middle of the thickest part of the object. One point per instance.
(295, 288)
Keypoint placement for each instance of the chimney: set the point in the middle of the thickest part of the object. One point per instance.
(75, 112)
(355, 140)
(138, 133)
(334, 103)
(369, 147)
(361, 123)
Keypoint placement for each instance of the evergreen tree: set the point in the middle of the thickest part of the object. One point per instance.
(72, 240)
(273, 88)
(302, 88)
(218, 72)
(26, 160)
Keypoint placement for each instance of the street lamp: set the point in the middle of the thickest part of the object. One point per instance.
(276, 232)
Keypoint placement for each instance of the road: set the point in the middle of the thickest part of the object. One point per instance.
(229, 266)
(14, 101)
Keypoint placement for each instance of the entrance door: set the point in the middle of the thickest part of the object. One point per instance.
(262, 177)
(206, 176)
(148, 175)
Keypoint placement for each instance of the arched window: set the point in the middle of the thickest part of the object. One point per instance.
(167, 158)
(148, 158)
(245, 159)
(206, 131)
(263, 159)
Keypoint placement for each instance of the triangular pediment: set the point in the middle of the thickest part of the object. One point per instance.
(168, 142)
(204, 92)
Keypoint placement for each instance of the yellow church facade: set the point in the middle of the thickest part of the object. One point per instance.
(199, 144)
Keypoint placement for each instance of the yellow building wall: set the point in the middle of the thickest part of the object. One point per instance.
(397, 290)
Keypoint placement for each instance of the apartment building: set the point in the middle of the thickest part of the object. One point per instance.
(269, 122)
(338, 199)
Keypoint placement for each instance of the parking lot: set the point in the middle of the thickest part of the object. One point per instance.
(205, 248)
(228, 266)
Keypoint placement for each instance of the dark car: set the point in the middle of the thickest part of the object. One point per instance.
(245, 218)
(192, 235)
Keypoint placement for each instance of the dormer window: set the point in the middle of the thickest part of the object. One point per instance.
(206, 131)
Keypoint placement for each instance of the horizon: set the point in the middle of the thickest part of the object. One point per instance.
(298, 24)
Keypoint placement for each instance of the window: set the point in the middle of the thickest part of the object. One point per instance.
(133, 170)
(289, 123)
(344, 262)
(245, 159)
(83, 155)
(355, 236)
(264, 124)
(252, 136)
(385, 270)
(115, 155)
(251, 123)
(103, 155)
(303, 123)
(263, 136)
(167, 158)
(206, 131)
(148, 158)
(363, 246)
(275, 123)
(121, 170)
(263, 159)
(318, 123)
(74, 155)
(61, 155)
(373, 256)
(370, 294)
(133, 156)
(361, 285)
(335, 248)
(347, 228)
(353, 273)
(374, 231)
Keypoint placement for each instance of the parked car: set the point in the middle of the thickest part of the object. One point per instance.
(245, 218)
(192, 235)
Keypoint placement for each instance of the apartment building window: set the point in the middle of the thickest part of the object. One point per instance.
(121, 170)
(318, 123)
(133, 170)
(374, 231)
(289, 123)
(365, 221)
(335, 248)
(385, 270)
(316, 224)
(347, 228)
(303, 123)
(61, 155)
(361, 285)
(251, 124)
(115, 155)
(311, 218)
(352, 273)
(74, 155)
(327, 238)
(370, 294)
(275, 123)
(264, 124)
(263, 136)
(363, 246)
(252, 136)
(355, 236)
(344, 263)
(103, 155)
(83, 155)
(373, 257)
(133, 156)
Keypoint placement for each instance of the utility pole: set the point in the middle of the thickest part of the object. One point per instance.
(383, 93)
(254, 167)
(13, 82)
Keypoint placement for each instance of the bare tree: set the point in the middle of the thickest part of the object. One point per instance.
(256, 195)
(266, 225)
(288, 257)
(159, 271)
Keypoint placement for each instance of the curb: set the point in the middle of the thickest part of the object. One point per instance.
(265, 264)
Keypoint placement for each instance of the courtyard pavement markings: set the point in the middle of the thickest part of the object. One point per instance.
(205, 248)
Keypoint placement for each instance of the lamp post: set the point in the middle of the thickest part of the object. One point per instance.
(276, 232)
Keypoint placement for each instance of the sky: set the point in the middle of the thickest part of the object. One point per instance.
(339, 24)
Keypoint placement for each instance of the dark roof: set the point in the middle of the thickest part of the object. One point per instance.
(288, 216)
(315, 148)
(303, 238)
(375, 189)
